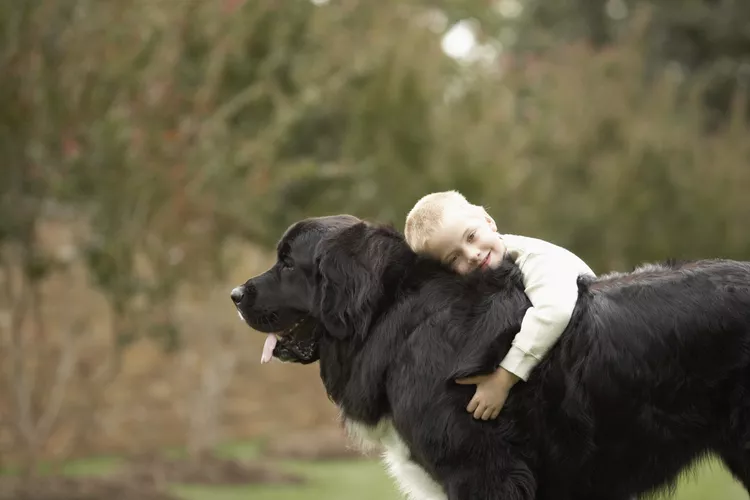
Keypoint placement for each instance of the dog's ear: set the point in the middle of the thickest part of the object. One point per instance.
(347, 282)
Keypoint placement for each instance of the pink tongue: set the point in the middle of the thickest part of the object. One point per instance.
(268, 348)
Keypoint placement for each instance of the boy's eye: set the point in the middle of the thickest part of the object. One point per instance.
(470, 238)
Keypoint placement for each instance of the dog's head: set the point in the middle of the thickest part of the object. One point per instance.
(325, 284)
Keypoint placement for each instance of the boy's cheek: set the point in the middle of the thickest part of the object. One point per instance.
(501, 248)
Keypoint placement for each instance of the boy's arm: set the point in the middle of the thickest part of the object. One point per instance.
(551, 285)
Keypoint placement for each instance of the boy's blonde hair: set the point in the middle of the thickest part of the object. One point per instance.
(427, 215)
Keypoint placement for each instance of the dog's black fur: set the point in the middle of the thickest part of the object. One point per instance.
(652, 372)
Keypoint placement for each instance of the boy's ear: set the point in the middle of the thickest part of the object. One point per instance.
(490, 221)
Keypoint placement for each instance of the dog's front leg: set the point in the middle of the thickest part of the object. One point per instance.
(486, 483)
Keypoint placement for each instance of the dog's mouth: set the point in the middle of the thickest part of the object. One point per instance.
(296, 344)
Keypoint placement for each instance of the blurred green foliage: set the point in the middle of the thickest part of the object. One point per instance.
(699, 36)
(170, 126)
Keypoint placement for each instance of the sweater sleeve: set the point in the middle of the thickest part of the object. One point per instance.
(551, 284)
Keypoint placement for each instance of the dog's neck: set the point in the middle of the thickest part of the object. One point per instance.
(358, 388)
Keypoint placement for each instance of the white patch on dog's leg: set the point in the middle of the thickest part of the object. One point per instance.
(410, 478)
(240, 315)
(365, 437)
(412, 481)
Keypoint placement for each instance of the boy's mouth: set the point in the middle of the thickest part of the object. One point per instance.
(486, 261)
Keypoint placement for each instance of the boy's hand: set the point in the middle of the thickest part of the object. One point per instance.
(492, 391)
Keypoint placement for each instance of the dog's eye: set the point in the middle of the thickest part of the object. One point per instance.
(287, 264)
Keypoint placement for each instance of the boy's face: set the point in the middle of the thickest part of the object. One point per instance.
(467, 239)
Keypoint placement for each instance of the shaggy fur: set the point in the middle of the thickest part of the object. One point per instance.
(650, 375)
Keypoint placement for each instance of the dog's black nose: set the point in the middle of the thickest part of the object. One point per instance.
(237, 294)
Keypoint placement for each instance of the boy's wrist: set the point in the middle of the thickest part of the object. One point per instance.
(506, 378)
(519, 362)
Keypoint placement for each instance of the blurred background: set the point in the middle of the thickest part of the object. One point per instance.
(154, 150)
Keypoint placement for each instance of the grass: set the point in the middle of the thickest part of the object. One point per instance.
(327, 480)
(710, 481)
(367, 480)
(331, 480)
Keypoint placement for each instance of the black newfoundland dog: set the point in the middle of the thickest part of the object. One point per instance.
(652, 373)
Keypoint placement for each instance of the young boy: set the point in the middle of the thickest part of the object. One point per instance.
(447, 227)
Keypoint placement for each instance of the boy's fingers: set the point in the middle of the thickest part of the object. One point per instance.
(495, 414)
(487, 413)
(479, 412)
(473, 404)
